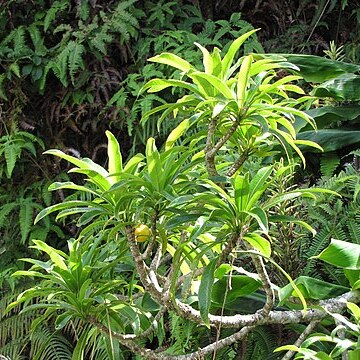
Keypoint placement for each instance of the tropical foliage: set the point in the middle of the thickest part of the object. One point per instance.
(210, 220)
(226, 224)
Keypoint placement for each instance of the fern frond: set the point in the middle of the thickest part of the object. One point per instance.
(260, 344)
(328, 163)
(56, 7)
(75, 60)
(100, 40)
(47, 345)
(26, 217)
(353, 228)
(319, 243)
(5, 210)
(60, 64)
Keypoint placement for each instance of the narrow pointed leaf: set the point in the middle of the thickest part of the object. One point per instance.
(234, 47)
(114, 158)
(205, 289)
(172, 60)
(243, 78)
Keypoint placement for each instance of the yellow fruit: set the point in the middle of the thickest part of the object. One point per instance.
(142, 233)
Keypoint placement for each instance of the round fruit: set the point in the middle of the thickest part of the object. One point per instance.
(142, 233)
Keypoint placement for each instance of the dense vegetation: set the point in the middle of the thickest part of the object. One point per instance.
(213, 210)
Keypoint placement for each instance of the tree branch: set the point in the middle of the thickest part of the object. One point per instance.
(264, 277)
(237, 164)
(209, 158)
(128, 341)
(308, 330)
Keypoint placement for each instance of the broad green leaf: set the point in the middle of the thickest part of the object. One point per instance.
(258, 185)
(242, 192)
(172, 60)
(205, 289)
(114, 158)
(70, 185)
(260, 216)
(294, 286)
(331, 139)
(317, 69)
(234, 287)
(353, 276)
(62, 320)
(341, 254)
(343, 87)
(354, 354)
(176, 134)
(95, 172)
(312, 288)
(234, 47)
(259, 243)
(243, 78)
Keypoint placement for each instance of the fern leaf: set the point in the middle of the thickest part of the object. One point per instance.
(2, 89)
(26, 218)
(37, 40)
(12, 152)
(56, 7)
(100, 40)
(60, 64)
(328, 163)
(75, 59)
(20, 47)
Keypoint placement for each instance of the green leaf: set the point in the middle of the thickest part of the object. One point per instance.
(26, 218)
(205, 289)
(115, 158)
(176, 134)
(133, 163)
(341, 254)
(259, 243)
(62, 206)
(207, 59)
(234, 287)
(344, 87)
(317, 69)
(155, 169)
(96, 173)
(243, 78)
(331, 139)
(291, 219)
(260, 216)
(353, 276)
(312, 288)
(212, 82)
(234, 47)
(355, 310)
(57, 259)
(75, 60)
(242, 192)
(258, 185)
(172, 60)
(70, 185)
